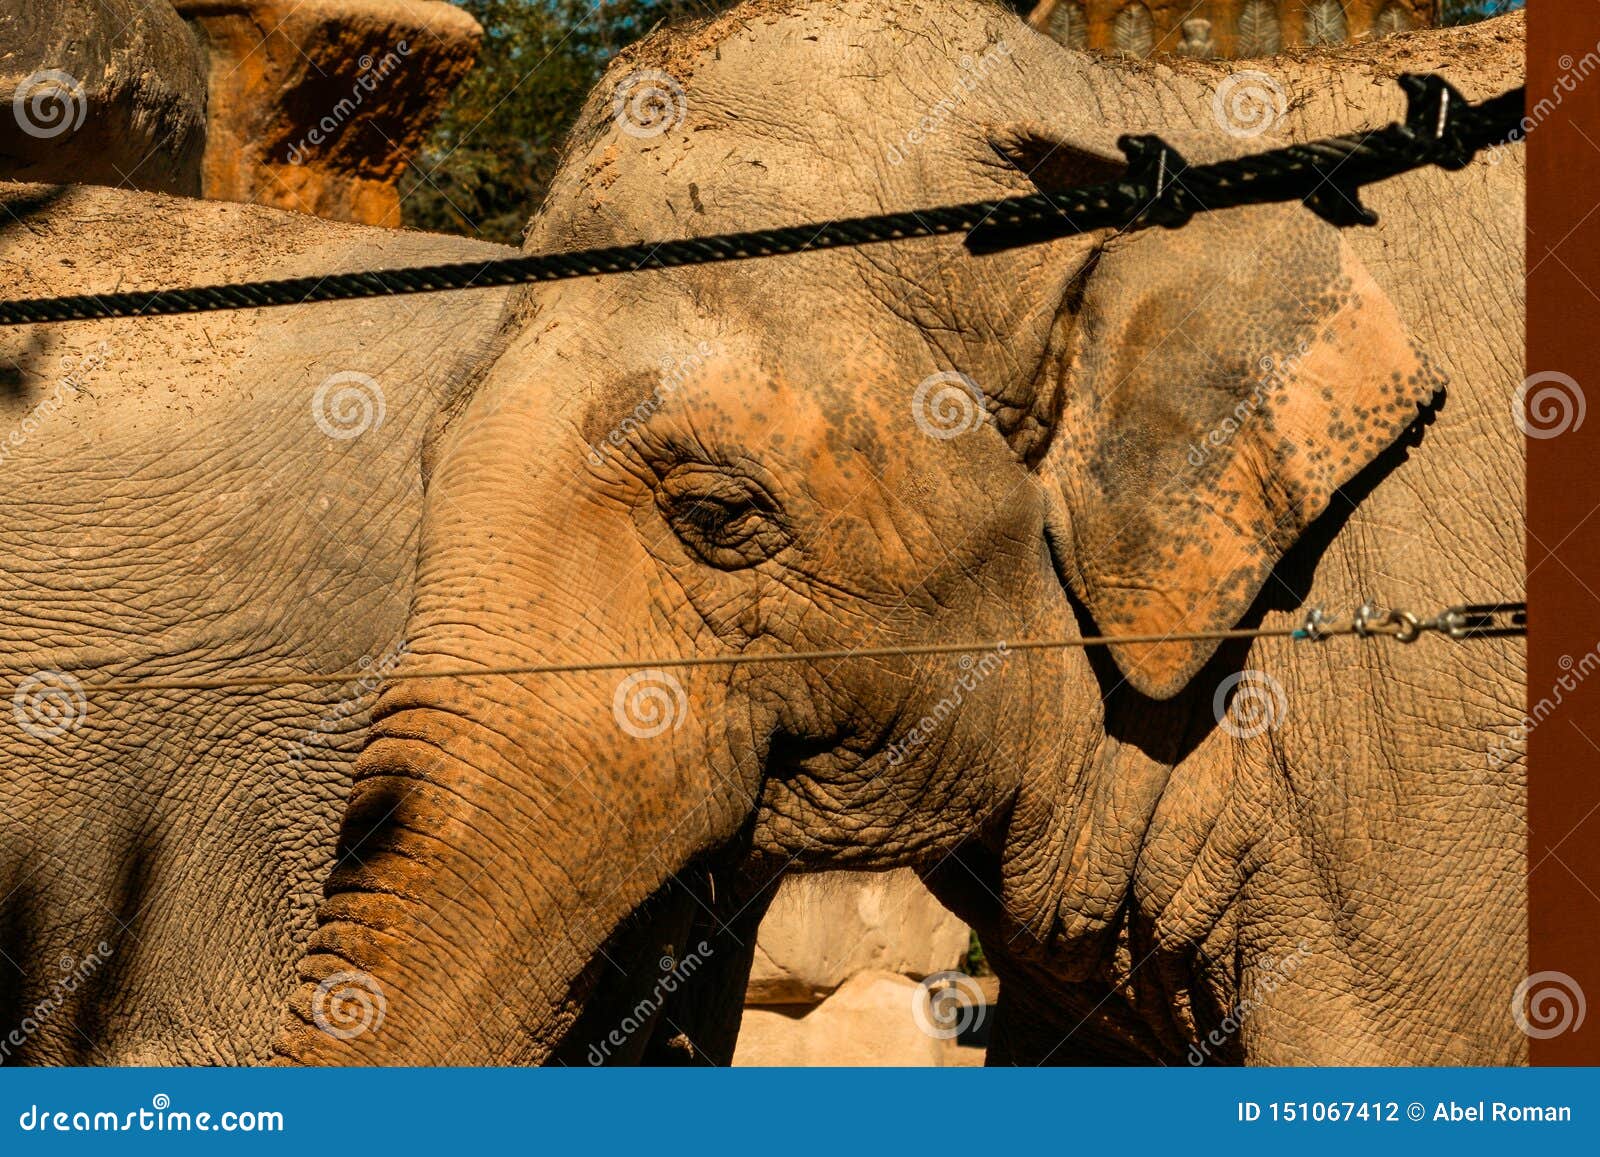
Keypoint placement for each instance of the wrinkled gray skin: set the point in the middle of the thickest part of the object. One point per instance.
(172, 506)
(1136, 871)
(1349, 876)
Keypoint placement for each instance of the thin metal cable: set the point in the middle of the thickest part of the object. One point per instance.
(1462, 622)
(1441, 128)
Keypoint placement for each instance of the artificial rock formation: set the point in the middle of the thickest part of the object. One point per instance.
(108, 93)
(1235, 28)
(870, 1020)
(836, 967)
(823, 929)
(319, 105)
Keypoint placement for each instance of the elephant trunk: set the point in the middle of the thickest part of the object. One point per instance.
(497, 833)
(502, 828)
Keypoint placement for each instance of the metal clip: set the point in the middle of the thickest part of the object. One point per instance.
(1431, 118)
(1371, 621)
(1407, 626)
(1315, 626)
(1154, 168)
(1453, 622)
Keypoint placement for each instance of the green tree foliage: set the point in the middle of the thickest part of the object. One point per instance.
(485, 167)
(1468, 11)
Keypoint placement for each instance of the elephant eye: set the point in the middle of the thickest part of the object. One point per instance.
(728, 520)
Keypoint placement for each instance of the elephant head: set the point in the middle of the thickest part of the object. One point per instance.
(880, 447)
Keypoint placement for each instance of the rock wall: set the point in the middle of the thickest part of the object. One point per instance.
(111, 93)
(823, 929)
(311, 105)
(318, 105)
(835, 979)
(868, 1021)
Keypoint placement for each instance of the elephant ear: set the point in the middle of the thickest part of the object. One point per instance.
(1222, 381)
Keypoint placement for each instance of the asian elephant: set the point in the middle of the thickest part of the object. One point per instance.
(1151, 432)
(198, 495)
(1270, 852)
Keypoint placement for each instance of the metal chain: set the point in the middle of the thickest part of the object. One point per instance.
(1463, 621)
(1160, 188)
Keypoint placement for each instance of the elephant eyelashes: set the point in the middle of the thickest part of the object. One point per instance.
(729, 521)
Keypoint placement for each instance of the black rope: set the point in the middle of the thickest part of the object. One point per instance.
(1160, 188)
